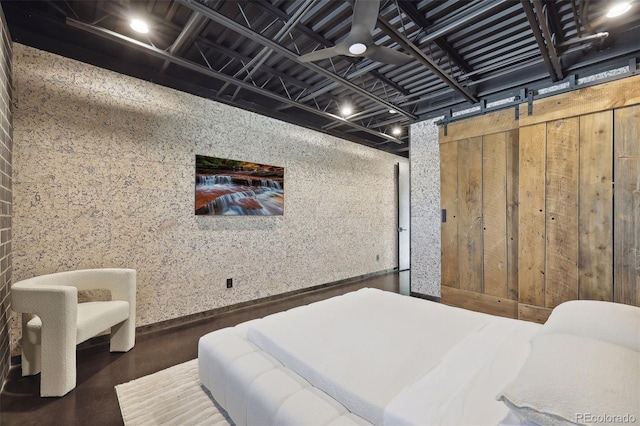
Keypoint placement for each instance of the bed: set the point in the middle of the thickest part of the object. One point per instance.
(376, 357)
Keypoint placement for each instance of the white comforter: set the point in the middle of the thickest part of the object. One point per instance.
(393, 359)
(385, 358)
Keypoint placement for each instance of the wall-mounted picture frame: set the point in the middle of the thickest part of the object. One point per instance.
(226, 187)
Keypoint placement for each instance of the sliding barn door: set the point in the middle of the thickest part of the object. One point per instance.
(580, 199)
(545, 209)
(479, 197)
(566, 212)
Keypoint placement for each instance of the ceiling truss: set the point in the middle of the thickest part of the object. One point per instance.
(245, 53)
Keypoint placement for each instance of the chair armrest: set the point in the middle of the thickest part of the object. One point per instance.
(44, 300)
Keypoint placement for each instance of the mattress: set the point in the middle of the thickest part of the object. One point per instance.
(367, 357)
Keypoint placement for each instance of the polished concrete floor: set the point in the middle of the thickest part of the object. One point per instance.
(94, 401)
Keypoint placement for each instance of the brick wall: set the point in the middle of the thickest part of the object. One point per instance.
(6, 147)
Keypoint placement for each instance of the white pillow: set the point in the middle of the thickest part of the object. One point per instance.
(606, 321)
(570, 380)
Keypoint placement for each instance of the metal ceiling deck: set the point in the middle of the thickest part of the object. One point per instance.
(245, 53)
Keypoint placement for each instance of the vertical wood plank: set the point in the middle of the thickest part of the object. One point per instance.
(512, 213)
(561, 270)
(595, 209)
(626, 237)
(449, 202)
(494, 214)
(470, 214)
(531, 222)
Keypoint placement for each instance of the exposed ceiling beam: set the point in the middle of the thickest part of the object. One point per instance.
(259, 38)
(171, 12)
(330, 86)
(417, 53)
(368, 69)
(259, 59)
(161, 54)
(409, 8)
(289, 25)
(462, 18)
(553, 56)
(242, 58)
(362, 115)
(537, 33)
(193, 26)
(275, 11)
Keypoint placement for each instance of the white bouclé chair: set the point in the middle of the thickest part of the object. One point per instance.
(53, 322)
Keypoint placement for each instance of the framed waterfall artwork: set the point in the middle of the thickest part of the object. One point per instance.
(227, 187)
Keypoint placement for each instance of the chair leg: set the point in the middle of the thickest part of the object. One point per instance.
(31, 362)
(123, 336)
(58, 363)
(30, 351)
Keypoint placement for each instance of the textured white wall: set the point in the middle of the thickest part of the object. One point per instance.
(104, 177)
(425, 208)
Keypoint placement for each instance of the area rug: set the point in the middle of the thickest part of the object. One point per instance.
(169, 397)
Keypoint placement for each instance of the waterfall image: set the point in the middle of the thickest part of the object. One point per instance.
(230, 187)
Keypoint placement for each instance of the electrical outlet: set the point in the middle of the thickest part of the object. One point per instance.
(229, 282)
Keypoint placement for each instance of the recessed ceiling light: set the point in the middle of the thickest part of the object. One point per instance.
(619, 9)
(346, 110)
(139, 26)
(396, 131)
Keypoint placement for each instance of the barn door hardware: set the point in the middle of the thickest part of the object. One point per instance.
(530, 102)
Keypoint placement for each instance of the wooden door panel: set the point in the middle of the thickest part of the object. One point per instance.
(494, 214)
(513, 174)
(449, 203)
(561, 268)
(531, 245)
(470, 214)
(595, 209)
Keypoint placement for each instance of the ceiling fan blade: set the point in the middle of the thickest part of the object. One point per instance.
(386, 55)
(319, 54)
(365, 16)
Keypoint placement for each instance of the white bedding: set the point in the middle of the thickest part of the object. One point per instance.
(368, 355)
(462, 388)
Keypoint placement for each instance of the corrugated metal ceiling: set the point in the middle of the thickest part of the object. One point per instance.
(246, 53)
